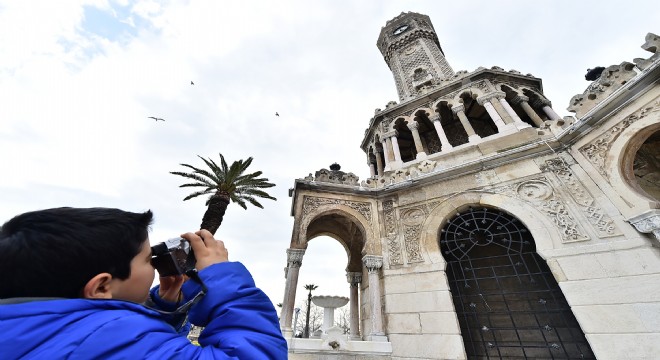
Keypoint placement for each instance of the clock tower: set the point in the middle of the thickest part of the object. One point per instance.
(412, 51)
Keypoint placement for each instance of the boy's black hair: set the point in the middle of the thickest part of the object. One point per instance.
(55, 252)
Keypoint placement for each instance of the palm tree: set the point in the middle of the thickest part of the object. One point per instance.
(224, 184)
(309, 287)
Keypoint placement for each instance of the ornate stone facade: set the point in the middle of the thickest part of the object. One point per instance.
(578, 191)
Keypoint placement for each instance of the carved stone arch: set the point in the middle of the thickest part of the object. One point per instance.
(405, 138)
(508, 89)
(623, 153)
(427, 132)
(477, 115)
(338, 239)
(470, 92)
(452, 127)
(448, 102)
(545, 233)
(398, 119)
(335, 214)
(537, 101)
(514, 97)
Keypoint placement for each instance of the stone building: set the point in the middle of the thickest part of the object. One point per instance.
(490, 226)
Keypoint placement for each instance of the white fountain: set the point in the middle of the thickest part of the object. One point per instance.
(329, 304)
(332, 341)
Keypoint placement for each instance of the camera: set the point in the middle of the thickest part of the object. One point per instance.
(173, 257)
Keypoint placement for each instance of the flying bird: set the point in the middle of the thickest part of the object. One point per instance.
(192, 83)
(155, 118)
(276, 114)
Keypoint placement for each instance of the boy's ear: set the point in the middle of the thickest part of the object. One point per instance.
(98, 287)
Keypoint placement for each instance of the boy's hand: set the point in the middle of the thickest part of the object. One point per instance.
(208, 250)
(170, 288)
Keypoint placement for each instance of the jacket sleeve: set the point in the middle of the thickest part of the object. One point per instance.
(239, 319)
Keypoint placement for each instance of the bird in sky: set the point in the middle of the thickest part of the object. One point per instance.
(155, 118)
(276, 114)
(192, 83)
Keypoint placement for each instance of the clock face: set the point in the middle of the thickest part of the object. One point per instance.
(400, 29)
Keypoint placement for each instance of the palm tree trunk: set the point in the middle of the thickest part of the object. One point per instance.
(214, 214)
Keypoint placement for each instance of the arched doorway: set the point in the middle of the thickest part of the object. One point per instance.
(508, 304)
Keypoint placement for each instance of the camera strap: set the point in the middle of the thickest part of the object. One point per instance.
(179, 317)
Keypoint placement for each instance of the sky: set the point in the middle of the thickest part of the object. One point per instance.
(79, 79)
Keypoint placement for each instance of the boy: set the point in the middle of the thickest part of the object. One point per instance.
(72, 284)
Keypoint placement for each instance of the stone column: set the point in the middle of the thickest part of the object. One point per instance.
(441, 133)
(372, 169)
(498, 96)
(395, 146)
(354, 279)
(545, 104)
(393, 150)
(522, 101)
(414, 128)
(379, 162)
(386, 152)
(459, 110)
(373, 263)
(485, 102)
(294, 261)
(516, 119)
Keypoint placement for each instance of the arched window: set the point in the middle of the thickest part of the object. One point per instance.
(508, 304)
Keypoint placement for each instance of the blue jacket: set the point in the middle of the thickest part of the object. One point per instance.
(240, 323)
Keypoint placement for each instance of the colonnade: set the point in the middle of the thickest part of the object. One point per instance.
(373, 264)
(498, 108)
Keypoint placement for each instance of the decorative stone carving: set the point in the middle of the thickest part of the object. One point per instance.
(311, 203)
(610, 80)
(599, 221)
(373, 263)
(400, 175)
(652, 44)
(354, 278)
(648, 222)
(483, 86)
(426, 166)
(541, 194)
(413, 217)
(294, 257)
(411, 240)
(596, 151)
(393, 245)
(334, 177)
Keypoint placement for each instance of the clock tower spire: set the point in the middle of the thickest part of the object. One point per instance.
(412, 51)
